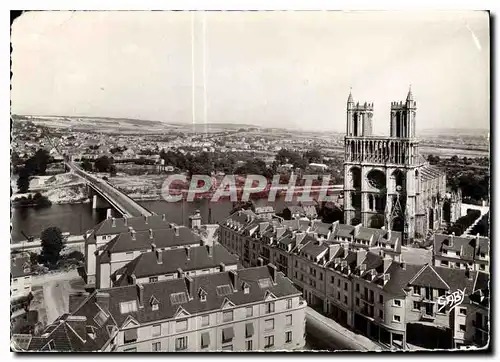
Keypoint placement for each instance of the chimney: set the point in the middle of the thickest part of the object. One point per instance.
(79, 325)
(222, 267)
(189, 286)
(163, 217)
(233, 275)
(176, 229)
(172, 225)
(145, 219)
(387, 263)
(180, 273)
(151, 233)
(125, 221)
(153, 247)
(108, 214)
(140, 295)
(113, 222)
(75, 300)
(188, 252)
(209, 251)
(133, 279)
(360, 256)
(159, 256)
(386, 277)
(102, 300)
(356, 229)
(132, 234)
(335, 226)
(451, 238)
(273, 271)
(260, 261)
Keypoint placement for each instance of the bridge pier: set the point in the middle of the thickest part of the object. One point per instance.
(99, 203)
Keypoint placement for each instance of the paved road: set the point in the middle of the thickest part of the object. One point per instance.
(325, 334)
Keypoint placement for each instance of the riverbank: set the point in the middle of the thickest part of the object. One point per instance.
(65, 188)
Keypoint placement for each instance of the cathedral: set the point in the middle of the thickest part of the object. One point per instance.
(387, 183)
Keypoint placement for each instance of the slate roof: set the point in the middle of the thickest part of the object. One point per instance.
(321, 228)
(209, 282)
(139, 223)
(314, 248)
(344, 231)
(465, 245)
(161, 238)
(20, 267)
(400, 278)
(146, 264)
(429, 277)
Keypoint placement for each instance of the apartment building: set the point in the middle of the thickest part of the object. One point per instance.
(461, 252)
(156, 265)
(20, 277)
(245, 310)
(109, 229)
(358, 277)
(127, 246)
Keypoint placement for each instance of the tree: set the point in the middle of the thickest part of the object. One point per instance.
(313, 156)
(23, 182)
(86, 165)
(52, 244)
(102, 164)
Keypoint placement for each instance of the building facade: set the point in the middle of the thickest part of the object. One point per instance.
(386, 180)
(246, 310)
(358, 277)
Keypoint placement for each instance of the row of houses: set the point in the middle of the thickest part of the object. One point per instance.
(358, 277)
(159, 288)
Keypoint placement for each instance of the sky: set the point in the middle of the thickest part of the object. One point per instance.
(272, 69)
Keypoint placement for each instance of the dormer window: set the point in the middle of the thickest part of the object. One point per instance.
(202, 295)
(155, 303)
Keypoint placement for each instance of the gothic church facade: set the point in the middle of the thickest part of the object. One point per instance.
(387, 183)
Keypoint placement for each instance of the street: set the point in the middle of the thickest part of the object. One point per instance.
(325, 334)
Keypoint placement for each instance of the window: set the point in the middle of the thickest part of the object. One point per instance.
(357, 302)
(381, 299)
(416, 290)
(227, 348)
(227, 316)
(153, 279)
(338, 283)
(133, 349)
(181, 343)
(269, 324)
(289, 303)
(127, 307)
(396, 303)
(268, 341)
(154, 306)
(357, 287)
(320, 276)
(181, 325)
(156, 346)
(397, 318)
(416, 305)
(381, 314)
(345, 299)
(205, 320)
(248, 345)
(130, 335)
(156, 330)
(338, 295)
(482, 267)
(288, 337)
(462, 327)
(463, 311)
(270, 307)
(332, 279)
(346, 286)
(457, 253)
(457, 265)
(249, 311)
(288, 320)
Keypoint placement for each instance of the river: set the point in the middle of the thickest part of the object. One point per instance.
(77, 218)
